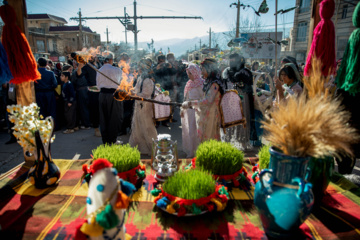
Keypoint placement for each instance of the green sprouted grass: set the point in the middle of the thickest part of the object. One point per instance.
(264, 157)
(193, 184)
(123, 157)
(219, 158)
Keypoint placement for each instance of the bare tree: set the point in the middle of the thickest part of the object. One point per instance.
(215, 39)
(246, 26)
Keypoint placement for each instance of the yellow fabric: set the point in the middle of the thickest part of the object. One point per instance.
(93, 229)
(170, 207)
(219, 205)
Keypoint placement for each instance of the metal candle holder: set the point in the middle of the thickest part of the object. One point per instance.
(164, 157)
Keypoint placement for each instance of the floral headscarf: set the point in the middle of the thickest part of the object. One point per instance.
(198, 80)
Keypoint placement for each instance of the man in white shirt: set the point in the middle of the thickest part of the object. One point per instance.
(111, 111)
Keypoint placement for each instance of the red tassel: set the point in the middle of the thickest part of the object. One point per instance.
(181, 211)
(236, 182)
(22, 63)
(99, 164)
(323, 44)
(210, 207)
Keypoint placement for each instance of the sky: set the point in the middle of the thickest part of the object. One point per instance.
(215, 13)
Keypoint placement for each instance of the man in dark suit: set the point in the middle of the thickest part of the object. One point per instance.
(45, 90)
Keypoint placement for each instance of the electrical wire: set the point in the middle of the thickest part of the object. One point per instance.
(169, 10)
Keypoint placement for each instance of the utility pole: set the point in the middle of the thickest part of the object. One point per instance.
(135, 17)
(107, 36)
(80, 31)
(126, 22)
(135, 30)
(200, 43)
(210, 37)
(237, 20)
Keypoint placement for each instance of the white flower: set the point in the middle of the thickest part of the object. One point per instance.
(27, 121)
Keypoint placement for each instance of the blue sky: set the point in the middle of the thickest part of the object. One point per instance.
(216, 14)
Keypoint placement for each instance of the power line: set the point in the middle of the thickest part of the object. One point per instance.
(105, 10)
(169, 10)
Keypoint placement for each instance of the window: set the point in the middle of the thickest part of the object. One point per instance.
(40, 45)
(344, 12)
(301, 32)
(44, 26)
(54, 46)
(304, 6)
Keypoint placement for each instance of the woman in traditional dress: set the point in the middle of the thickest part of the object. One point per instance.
(142, 127)
(238, 77)
(288, 84)
(193, 91)
(209, 119)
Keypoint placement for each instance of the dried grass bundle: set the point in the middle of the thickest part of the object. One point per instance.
(316, 84)
(314, 124)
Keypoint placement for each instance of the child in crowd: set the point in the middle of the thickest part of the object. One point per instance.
(68, 93)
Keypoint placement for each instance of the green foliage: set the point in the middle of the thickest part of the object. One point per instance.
(264, 157)
(123, 157)
(193, 184)
(219, 158)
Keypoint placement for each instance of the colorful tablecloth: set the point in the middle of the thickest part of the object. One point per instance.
(53, 213)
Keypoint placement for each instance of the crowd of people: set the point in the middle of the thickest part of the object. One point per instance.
(81, 96)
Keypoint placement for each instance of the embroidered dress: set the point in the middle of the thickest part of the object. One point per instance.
(209, 119)
(193, 91)
(239, 136)
(142, 127)
(188, 123)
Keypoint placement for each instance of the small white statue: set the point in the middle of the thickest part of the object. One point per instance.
(107, 200)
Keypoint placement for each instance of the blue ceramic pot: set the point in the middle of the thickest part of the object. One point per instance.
(321, 172)
(283, 208)
(285, 168)
(282, 196)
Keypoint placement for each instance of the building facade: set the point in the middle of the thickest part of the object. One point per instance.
(343, 27)
(50, 37)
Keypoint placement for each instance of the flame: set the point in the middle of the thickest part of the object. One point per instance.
(85, 54)
(126, 86)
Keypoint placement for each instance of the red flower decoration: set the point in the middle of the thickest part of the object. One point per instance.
(181, 211)
(193, 162)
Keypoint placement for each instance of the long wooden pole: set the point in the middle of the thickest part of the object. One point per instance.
(131, 96)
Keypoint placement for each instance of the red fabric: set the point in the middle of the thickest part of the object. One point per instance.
(99, 164)
(79, 235)
(130, 175)
(181, 211)
(22, 63)
(323, 44)
(189, 202)
(231, 176)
